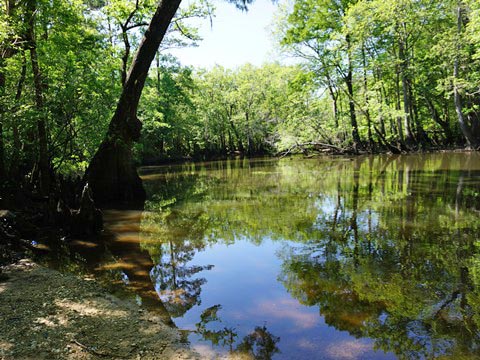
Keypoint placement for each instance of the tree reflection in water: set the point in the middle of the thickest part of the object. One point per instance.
(385, 247)
(408, 280)
(259, 344)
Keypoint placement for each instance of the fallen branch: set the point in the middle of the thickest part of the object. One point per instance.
(315, 146)
(393, 149)
(334, 147)
(91, 350)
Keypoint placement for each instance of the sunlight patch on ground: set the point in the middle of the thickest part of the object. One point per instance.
(5, 346)
(141, 273)
(51, 321)
(152, 177)
(46, 322)
(42, 247)
(355, 320)
(206, 352)
(347, 350)
(173, 296)
(89, 309)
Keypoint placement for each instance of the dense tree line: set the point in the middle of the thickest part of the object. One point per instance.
(400, 74)
(219, 112)
(371, 76)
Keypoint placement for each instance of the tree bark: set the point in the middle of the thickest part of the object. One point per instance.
(333, 93)
(443, 123)
(351, 102)
(2, 155)
(240, 147)
(472, 141)
(112, 174)
(367, 99)
(15, 162)
(405, 85)
(5, 52)
(334, 97)
(380, 91)
(42, 137)
(420, 132)
(126, 55)
(2, 111)
(398, 107)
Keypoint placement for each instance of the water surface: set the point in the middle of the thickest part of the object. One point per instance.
(333, 258)
(363, 258)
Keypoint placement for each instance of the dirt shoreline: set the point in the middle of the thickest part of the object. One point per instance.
(45, 314)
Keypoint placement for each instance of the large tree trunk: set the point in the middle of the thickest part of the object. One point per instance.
(332, 92)
(5, 52)
(472, 140)
(334, 97)
(2, 155)
(42, 137)
(443, 123)
(367, 99)
(14, 170)
(398, 107)
(112, 174)
(351, 102)
(234, 129)
(406, 99)
(2, 111)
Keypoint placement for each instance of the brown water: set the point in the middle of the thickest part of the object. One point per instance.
(363, 258)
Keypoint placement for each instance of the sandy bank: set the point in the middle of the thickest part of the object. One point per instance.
(45, 314)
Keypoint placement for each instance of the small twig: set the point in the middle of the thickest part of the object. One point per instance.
(183, 32)
(89, 349)
(133, 26)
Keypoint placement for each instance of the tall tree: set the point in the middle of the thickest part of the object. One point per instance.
(466, 104)
(7, 50)
(112, 173)
(317, 28)
(44, 168)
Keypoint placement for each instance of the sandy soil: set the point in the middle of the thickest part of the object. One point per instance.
(45, 314)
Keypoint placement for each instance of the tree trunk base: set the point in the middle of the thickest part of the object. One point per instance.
(113, 177)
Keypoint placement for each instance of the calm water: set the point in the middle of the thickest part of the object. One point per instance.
(364, 258)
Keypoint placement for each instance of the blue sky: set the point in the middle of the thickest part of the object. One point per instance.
(236, 37)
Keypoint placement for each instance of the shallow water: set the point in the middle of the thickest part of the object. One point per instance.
(333, 258)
